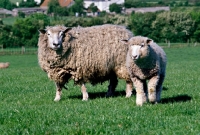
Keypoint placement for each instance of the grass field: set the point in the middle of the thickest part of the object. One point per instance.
(27, 105)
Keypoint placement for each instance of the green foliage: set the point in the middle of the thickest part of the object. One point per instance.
(21, 14)
(25, 31)
(55, 8)
(77, 7)
(115, 8)
(5, 35)
(196, 17)
(93, 8)
(173, 26)
(27, 3)
(7, 4)
(141, 23)
(27, 105)
(164, 26)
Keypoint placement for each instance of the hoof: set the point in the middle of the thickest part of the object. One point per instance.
(85, 97)
(57, 99)
(128, 95)
(141, 99)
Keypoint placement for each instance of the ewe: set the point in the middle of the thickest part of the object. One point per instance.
(146, 61)
(92, 54)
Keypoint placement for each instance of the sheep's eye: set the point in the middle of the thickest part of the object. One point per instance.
(142, 45)
(48, 34)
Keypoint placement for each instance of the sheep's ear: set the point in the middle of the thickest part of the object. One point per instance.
(67, 30)
(125, 41)
(42, 31)
(149, 41)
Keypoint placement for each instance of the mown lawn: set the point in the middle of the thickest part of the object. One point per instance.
(27, 105)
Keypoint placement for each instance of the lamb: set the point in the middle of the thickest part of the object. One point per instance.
(146, 61)
(86, 55)
(4, 65)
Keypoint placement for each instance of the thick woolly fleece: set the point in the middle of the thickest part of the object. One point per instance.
(151, 66)
(91, 54)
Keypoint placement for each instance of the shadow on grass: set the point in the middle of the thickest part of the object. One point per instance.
(94, 95)
(165, 88)
(179, 98)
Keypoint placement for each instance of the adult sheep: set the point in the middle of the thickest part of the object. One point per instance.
(146, 61)
(91, 54)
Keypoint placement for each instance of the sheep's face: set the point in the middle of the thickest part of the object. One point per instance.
(55, 39)
(138, 47)
(55, 36)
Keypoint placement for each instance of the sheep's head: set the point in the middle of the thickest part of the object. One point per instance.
(138, 47)
(55, 36)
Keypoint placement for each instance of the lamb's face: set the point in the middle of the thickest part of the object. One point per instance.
(55, 39)
(138, 47)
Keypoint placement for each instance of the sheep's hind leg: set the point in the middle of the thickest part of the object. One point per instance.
(84, 92)
(112, 86)
(58, 91)
(129, 88)
(159, 88)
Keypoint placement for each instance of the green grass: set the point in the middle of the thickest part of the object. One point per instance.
(14, 1)
(9, 20)
(27, 105)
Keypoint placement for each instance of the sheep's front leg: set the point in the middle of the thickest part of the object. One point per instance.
(58, 91)
(84, 92)
(129, 88)
(140, 92)
(153, 82)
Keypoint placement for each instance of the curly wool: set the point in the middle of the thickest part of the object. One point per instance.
(153, 63)
(88, 54)
(150, 65)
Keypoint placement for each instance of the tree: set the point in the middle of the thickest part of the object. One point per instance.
(27, 3)
(77, 7)
(6, 4)
(174, 26)
(25, 30)
(55, 8)
(93, 8)
(115, 8)
(141, 23)
(196, 17)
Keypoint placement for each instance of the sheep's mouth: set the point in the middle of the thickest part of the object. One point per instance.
(55, 48)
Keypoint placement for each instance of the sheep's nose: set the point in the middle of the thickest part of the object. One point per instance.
(134, 57)
(56, 44)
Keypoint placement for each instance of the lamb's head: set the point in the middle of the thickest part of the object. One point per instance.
(138, 47)
(55, 35)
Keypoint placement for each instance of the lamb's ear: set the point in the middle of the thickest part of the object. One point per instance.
(125, 41)
(42, 31)
(149, 41)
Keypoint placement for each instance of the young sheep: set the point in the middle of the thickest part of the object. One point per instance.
(92, 54)
(146, 61)
(4, 65)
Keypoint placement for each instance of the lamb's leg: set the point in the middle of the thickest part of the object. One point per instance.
(129, 88)
(58, 91)
(159, 88)
(152, 89)
(140, 93)
(84, 92)
(112, 85)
